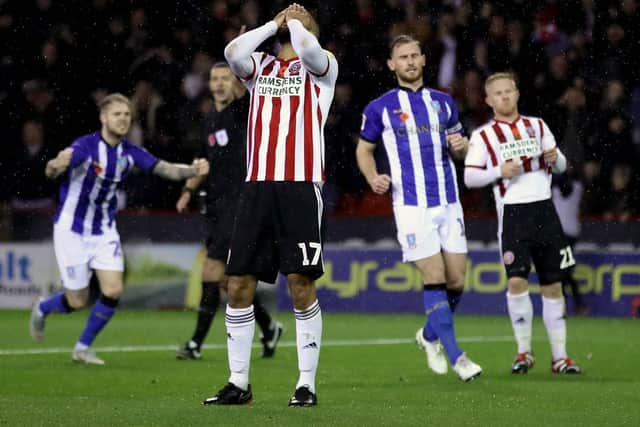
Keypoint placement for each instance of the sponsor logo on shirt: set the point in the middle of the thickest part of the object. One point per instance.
(411, 241)
(222, 137)
(276, 86)
(97, 168)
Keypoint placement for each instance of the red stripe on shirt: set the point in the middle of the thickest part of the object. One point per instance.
(494, 158)
(308, 132)
(541, 128)
(258, 140)
(498, 132)
(250, 127)
(319, 112)
(274, 122)
(290, 156)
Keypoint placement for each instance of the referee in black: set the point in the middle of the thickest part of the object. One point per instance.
(224, 141)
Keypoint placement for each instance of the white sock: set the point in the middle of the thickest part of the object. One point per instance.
(521, 314)
(241, 325)
(308, 340)
(553, 314)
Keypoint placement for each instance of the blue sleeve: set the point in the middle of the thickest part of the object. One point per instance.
(453, 124)
(371, 128)
(142, 158)
(80, 153)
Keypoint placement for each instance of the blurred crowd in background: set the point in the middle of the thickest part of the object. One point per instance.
(577, 62)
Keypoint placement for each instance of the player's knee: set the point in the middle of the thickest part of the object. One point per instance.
(455, 282)
(553, 291)
(302, 290)
(212, 270)
(517, 285)
(77, 300)
(240, 292)
(113, 290)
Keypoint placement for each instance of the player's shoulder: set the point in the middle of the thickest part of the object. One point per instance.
(87, 140)
(483, 127)
(439, 94)
(378, 104)
(129, 147)
(531, 118)
(263, 57)
(386, 97)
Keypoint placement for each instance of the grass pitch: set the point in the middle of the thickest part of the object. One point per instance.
(371, 374)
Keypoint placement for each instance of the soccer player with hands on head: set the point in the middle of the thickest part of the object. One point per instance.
(291, 94)
(517, 155)
(85, 237)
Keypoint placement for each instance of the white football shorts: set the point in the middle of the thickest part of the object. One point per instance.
(424, 232)
(78, 255)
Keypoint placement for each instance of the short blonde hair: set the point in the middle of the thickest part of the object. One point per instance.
(499, 76)
(113, 98)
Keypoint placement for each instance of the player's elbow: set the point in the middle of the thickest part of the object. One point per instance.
(469, 179)
(229, 51)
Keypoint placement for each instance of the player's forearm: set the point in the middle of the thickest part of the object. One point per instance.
(560, 164)
(53, 169)
(238, 51)
(306, 45)
(174, 171)
(194, 182)
(366, 162)
(476, 177)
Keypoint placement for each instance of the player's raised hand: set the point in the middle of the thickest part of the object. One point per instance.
(201, 167)
(296, 11)
(510, 169)
(280, 18)
(551, 155)
(183, 202)
(64, 157)
(457, 143)
(380, 184)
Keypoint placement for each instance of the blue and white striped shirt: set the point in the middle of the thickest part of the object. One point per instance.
(88, 194)
(413, 126)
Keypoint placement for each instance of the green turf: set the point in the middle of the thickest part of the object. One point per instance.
(358, 385)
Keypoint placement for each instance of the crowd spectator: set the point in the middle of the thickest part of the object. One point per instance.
(576, 61)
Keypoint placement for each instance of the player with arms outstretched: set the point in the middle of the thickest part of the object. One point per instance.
(85, 237)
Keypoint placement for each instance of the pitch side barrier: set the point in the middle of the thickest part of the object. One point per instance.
(371, 280)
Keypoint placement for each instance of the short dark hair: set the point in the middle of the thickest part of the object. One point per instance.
(402, 39)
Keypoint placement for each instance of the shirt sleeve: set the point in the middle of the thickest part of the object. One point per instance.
(239, 53)
(477, 171)
(320, 63)
(453, 124)
(80, 154)
(371, 128)
(142, 158)
(547, 139)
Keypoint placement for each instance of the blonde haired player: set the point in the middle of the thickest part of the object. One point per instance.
(517, 155)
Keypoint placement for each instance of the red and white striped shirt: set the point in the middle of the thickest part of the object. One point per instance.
(524, 140)
(288, 111)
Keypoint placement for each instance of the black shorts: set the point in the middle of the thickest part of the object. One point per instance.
(278, 227)
(219, 218)
(532, 232)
